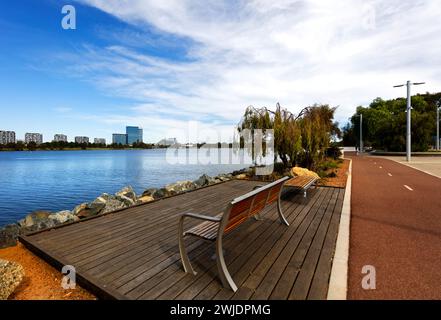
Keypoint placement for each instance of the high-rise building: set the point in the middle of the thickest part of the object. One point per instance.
(134, 135)
(60, 138)
(99, 141)
(81, 140)
(119, 138)
(7, 137)
(34, 137)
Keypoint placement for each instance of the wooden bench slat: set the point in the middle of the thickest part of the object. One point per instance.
(206, 230)
(300, 182)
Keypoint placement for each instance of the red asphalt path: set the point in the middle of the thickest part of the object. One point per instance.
(394, 229)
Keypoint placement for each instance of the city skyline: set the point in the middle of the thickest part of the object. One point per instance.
(133, 67)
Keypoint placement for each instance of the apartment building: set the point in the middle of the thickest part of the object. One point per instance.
(33, 137)
(7, 137)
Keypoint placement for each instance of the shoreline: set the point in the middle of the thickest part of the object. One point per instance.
(80, 149)
(126, 197)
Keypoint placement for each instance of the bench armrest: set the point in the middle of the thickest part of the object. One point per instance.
(201, 217)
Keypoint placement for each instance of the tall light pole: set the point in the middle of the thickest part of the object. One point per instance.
(361, 132)
(409, 84)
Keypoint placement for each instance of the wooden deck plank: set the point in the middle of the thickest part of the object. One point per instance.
(264, 278)
(301, 267)
(320, 282)
(133, 253)
(189, 287)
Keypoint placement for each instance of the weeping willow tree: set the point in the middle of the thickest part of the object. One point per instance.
(300, 139)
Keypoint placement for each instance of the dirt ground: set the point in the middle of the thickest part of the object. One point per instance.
(341, 176)
(41, 282)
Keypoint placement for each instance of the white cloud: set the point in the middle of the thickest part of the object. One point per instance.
(261, 52)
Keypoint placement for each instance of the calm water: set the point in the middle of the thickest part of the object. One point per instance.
(59, 180)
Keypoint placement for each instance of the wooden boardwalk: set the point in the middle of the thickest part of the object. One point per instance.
(133, 253)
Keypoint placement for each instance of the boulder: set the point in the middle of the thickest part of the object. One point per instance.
(298, 172)
(63, 217)
(204, 180)
(145, 199)
(104, 198)
(79, 208)
(9, 235)
(112, 205)
(149, 192)
(126, 200)
(224, 177)
(11, 275)
(241, 176)
(160, 193)
(37, 220)
(127, 192)
(179, 187)
(89, 209)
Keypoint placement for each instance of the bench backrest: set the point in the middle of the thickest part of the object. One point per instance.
(252, 203)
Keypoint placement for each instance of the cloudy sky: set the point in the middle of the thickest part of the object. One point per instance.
(160, 64)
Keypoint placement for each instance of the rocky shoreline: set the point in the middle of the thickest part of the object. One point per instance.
(126, 197)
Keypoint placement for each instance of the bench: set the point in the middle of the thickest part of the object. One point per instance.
(236, 212)
(301, 182)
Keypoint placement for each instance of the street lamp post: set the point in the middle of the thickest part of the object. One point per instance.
(409, 84)
(361, 133)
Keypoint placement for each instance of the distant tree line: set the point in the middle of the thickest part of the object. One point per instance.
(61, 145)
(384, 124)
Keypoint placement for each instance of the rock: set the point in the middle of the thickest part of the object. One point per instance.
(37, 220)
(11, 275)
(9, 235)
(224, 177)
(112, 205)
(127, 192)
(237, 172)
(241, 176)
(34, 218)
(126, 200)
(204, 180)
(104, 198)
(145, 199)
(149, 192)
(179, 187)
(298, 172)
(79, 208)
(63, 217)
(160, 193)
(89, 209)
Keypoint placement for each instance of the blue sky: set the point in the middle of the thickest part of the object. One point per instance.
(160, 64)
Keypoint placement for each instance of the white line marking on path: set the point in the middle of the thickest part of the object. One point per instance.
(407, 187)
(389, 174)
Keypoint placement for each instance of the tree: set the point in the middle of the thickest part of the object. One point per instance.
(384, 124)
(298, 139)
(31, 146)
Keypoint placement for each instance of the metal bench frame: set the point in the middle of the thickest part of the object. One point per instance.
(223, 220)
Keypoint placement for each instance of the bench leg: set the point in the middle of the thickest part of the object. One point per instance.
(279, 210)
(224, 275)
(257, 217)
(184, 256)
